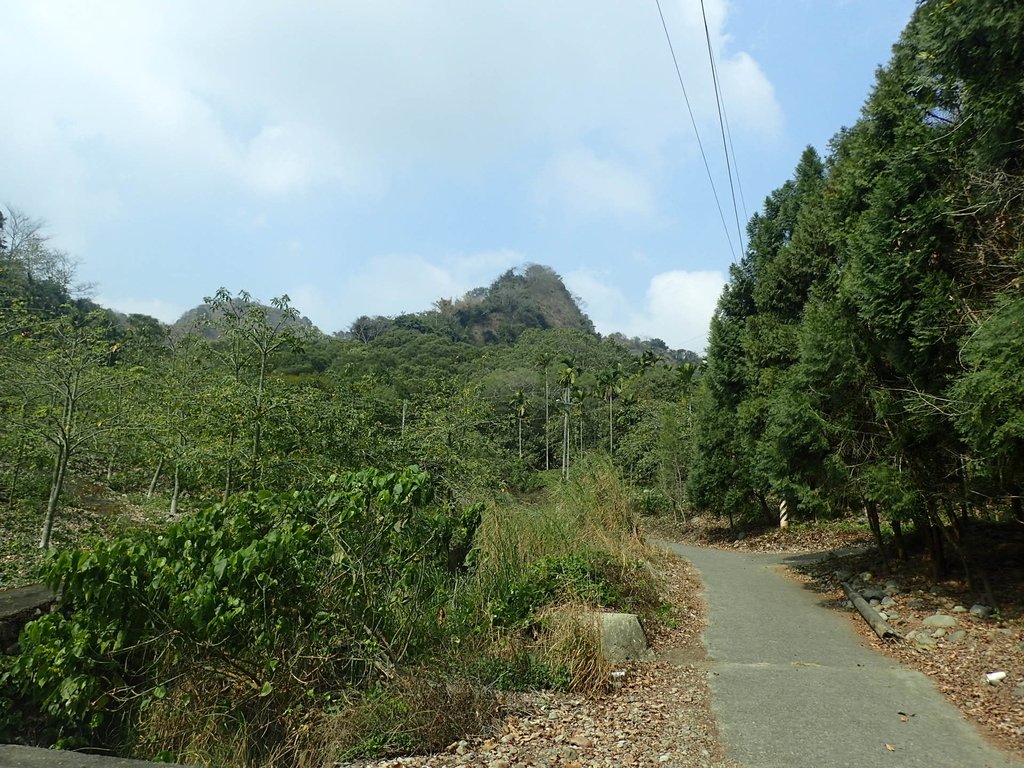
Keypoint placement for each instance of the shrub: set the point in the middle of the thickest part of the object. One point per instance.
(257, 607)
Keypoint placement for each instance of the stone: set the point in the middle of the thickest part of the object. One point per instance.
(981, 611)
(915, 602)
(957, 636)
(1018, 692)
(580, 740)
(940, 620)
(939, 633)
(867, 577)
(887, 600)
(891, 588)
(872, 594)
(874, 603)
(622, 638)
(937, 590)
(842, 575)
(959, 609)
(922, 639)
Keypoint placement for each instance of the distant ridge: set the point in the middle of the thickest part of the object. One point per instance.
(520, 299)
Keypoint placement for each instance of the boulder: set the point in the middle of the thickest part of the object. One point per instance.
(940, 620)
(981, 611)
(622, 638)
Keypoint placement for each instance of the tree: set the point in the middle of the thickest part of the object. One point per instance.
(65, 369)
(250, 334)
(518, 406)
(568, 373)
(610, 383)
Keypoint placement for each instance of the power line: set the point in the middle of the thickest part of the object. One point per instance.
(721, 124)
(696, 132)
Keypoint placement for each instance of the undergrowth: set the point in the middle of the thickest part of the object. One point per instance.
(303, 627)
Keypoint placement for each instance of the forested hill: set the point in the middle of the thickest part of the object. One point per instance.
(519, 300)
(207, 317)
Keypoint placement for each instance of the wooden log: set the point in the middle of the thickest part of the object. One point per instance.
(881, 628)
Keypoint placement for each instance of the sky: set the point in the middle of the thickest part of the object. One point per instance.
(370, 158)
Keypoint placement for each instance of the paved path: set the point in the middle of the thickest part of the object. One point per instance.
(793, 687)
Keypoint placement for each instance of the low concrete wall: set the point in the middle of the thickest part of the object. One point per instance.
(19, 606)
(12, 756)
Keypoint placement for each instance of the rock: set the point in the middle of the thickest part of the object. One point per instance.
(665, 758)
(957, 636)
(842, 575)
(622, 639)
(887, 600)
(867, 577)
(940, 620)
(1018, 692)
(891, 588)
(981, 611)
(499, 763)
(922, 639)
(937, 590)
(915, 602)
(580, 740)
(959, 609)
(939, 633)
(872, 594)
(883, 615)
(875, 603)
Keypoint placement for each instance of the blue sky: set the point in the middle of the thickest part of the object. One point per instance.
(372, 157)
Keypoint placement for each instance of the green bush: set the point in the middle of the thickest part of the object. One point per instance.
(578, 576)
(253, 607)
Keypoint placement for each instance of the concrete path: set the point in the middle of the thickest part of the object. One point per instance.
(793, 687)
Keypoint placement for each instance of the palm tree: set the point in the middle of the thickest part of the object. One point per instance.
(518, 406)
(566, 379)
(544, 360)
(610, 383)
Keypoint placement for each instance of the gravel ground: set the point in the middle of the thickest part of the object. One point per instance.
(660, 716)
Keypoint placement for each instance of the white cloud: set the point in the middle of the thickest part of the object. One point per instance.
(677, 309)
(582, 184)
(279, 97)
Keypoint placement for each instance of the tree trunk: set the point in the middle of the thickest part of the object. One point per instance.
(156, 476)
(952, 534)
(1018, 508)
(611, 444)
(60, 466)
(110, 466)
(766, 511)
(547, 414)
(176, 491)
(933, 537)
(565, 443)
(228, 478)
(871, 508)
(520, 420)
(897, 539)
